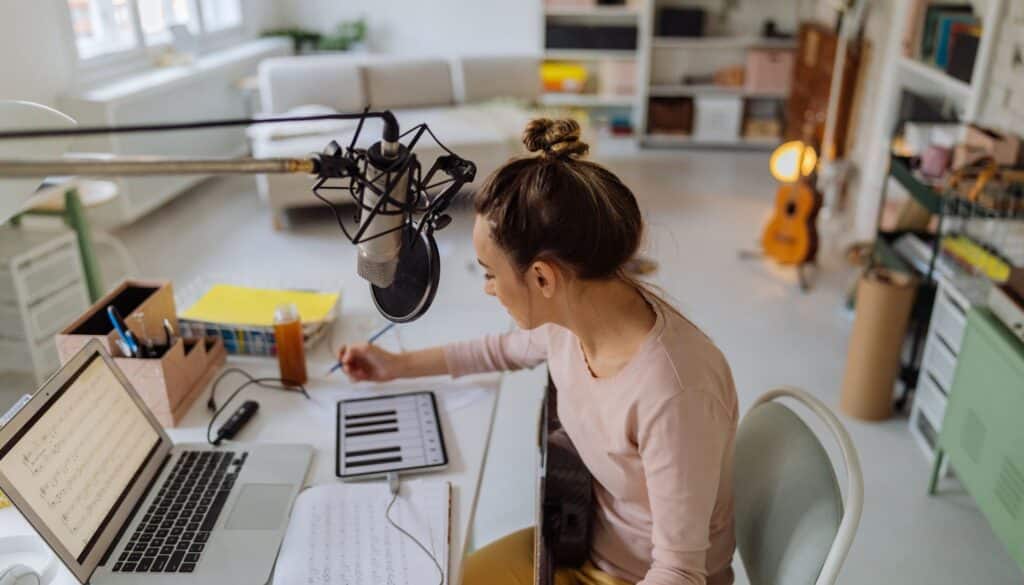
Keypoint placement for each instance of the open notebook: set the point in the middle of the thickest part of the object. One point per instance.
(338, 535)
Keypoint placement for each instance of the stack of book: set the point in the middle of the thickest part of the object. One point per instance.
(944, 34)
(244, 316)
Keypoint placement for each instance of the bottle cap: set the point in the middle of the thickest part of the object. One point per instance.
(286, 313)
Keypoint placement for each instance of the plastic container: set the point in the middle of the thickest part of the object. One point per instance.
(291, 353)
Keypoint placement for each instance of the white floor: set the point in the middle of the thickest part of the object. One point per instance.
(701, 208)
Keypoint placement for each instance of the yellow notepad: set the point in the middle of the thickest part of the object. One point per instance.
(239, 305)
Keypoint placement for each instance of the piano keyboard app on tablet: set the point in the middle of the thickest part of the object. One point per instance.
(390, 433)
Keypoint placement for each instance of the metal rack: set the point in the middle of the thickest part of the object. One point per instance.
(946, 207)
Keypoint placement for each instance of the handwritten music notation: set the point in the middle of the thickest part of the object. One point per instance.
(78, 458)
(338, 535)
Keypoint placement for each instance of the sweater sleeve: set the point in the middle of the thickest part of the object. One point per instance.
(682, 444)
(514, 350)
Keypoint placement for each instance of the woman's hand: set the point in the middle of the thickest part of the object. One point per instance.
(368, 363)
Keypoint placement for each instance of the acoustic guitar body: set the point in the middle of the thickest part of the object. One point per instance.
(791, 236)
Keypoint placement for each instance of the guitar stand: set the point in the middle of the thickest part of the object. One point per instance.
(802, 276)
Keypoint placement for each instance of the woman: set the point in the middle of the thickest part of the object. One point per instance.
(647, 399)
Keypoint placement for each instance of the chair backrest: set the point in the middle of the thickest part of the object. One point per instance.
(792, 527)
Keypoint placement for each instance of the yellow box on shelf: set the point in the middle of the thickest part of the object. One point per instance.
(561, 76)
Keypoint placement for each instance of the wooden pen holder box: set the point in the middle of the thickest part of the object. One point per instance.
(169, 384)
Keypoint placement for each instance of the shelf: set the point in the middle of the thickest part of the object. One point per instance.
(588, 54)
(594, 13)
(936, 77)
(722, 43)
(586, 100)
(923, 194)
(692, 90)
(687, 141)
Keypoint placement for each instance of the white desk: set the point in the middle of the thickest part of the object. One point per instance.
(466, 418)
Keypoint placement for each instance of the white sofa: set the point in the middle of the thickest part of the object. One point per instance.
(475, 105)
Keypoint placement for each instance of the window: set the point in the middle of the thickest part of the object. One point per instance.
(107, 27)
(158, 16)
(221, 14)
(102, 26)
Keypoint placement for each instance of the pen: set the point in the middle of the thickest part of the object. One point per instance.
(372, 338)
(123, 332)
(169, 332)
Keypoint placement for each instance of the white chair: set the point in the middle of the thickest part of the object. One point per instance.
(792, 525)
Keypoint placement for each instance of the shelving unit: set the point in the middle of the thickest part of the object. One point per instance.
(596, 97)
(905, 72)
(666, 60)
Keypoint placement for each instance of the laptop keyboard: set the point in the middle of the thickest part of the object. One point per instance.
(177, 525)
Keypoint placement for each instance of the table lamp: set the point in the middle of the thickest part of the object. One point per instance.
(784, 161)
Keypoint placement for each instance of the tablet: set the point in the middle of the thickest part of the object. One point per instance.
(388, 434)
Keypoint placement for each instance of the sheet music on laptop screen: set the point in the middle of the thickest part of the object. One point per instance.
(76, 459)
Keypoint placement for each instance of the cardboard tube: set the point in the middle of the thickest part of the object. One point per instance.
(884, 302)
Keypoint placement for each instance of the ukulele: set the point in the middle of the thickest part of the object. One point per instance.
(791, 235)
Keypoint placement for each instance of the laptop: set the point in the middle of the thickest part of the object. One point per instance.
(96, 475)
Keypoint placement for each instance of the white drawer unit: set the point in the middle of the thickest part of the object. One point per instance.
(939, 364)
(42, 289)
(953, 299)
(949, 317)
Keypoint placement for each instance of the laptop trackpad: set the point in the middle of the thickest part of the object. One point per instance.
(260, 506)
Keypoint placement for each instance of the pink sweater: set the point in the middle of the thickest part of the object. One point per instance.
(657, 437)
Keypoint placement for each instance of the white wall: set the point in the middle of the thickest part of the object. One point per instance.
(34, 64)
(37, 65)
(430, 27)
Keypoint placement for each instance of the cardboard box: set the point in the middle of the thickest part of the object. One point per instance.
(169, 385)
(769, 71)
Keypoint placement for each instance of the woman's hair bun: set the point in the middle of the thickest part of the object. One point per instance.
(555, 138)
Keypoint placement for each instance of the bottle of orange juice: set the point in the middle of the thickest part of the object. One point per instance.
(291, 354)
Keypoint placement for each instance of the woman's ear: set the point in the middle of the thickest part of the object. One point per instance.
(543, 277)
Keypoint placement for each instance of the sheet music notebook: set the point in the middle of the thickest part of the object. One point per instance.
(338, 535)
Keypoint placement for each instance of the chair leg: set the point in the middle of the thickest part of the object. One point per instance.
(75, 216)
(933, 484)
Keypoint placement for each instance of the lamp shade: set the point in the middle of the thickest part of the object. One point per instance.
(787, 157)
(16, 194)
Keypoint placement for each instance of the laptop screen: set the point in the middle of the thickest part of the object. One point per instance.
(76, 459)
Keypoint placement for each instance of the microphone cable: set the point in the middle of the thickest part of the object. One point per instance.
(269, 383)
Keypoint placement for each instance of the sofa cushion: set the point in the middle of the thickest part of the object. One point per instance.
(486, 78)
(335, 81)
(405, 83)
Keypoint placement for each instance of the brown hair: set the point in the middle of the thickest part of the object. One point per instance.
(558, 207)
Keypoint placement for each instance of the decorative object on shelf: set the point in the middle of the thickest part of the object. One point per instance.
(681, 21)
(670, 115)
(769, 71)
(590, 37)
(566, 77)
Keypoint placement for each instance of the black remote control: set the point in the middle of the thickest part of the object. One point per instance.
(245, 412)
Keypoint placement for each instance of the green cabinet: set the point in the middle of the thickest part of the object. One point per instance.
(983, 431)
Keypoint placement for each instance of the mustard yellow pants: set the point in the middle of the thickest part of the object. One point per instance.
(509, 561)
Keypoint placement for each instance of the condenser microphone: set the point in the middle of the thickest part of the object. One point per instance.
(389, 172)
